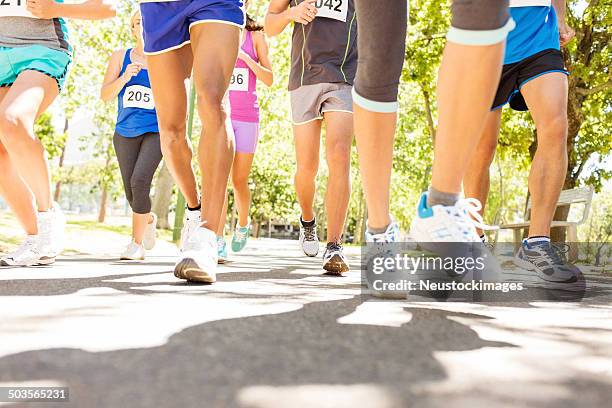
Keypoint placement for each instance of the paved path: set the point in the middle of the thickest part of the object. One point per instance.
(275, 333)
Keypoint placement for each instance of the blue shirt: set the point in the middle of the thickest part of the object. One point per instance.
(536, 30)
(137, 114)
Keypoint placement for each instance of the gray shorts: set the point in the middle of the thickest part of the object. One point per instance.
(310, 102)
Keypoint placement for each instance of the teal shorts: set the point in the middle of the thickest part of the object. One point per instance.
(13, 61)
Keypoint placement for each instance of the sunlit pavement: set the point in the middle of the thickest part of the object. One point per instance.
(274, 332)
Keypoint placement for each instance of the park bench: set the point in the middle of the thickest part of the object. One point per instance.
(568, 198)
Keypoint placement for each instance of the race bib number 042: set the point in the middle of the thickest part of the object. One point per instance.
(14, 8)
(240, 80)
(138, 96)
(335, 9)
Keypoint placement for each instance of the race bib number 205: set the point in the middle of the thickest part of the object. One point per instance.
(14, 8)
(138, 96)
(335, 9)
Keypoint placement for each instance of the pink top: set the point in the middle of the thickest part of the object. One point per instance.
(243, 96)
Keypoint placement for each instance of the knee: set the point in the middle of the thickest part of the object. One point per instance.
(307, 170)
(172, 135)
(485, 153)
(240, 181)
(553, 132)
(339, 156)
(11, 129)
(211, 104)
(140, 183)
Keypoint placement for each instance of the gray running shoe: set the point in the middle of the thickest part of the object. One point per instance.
(548, 261)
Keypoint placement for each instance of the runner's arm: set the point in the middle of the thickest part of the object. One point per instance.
(85, 10)
(566, 33)
(113, 81)
(263, 68)
(280, 14)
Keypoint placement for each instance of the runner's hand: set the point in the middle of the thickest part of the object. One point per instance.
(131, 71)
(304, 13)
(43, 8)
(566, 33)
(244, 56)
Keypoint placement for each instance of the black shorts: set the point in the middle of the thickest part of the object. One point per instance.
(515, 75)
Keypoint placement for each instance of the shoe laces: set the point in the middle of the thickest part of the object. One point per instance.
(310, 233)
(467, 213)
(241, 233)
(552, 253)
(334, 247)
(386, 237)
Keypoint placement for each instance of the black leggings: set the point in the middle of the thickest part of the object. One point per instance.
(138, 159)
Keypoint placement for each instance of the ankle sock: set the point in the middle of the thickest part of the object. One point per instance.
(377, 231)
(483, 238)
(198, 208)
(437, 197)
(537, 239)
(308, 223)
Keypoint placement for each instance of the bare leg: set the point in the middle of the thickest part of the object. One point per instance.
(476, 183)
(215, 47)
(168, 72)
(307, 140)
(463, 107)
(28, 97)
(13, 189)
(546, 97)
(375, 161)
(338, 141)
(139, 225)
(241, 170)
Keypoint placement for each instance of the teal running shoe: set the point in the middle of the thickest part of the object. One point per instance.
(222, 250)
(241, 235)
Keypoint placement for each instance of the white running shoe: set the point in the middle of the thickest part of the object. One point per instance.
(455, 223)
(192, 221)
(309, 241)
(199, 257)
(133, 252)
(334, 261)
(25, 255)
(51, 230)
(391, 235)
(150, 235)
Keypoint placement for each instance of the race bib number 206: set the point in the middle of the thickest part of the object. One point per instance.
(138, 96)
(335, 9)
(14, 8)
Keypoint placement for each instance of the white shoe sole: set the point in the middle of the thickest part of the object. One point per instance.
(189, 270)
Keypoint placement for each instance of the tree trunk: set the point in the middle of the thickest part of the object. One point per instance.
(103, 203)
(58, 185)
(428, 113)
(163, 197)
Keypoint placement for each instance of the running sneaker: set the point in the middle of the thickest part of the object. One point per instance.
(309, 241)
(51, 229)
(547, 261)
(26, 254)
(222, 250)
(150, 235)
(133, 252)
(334, 261)
(199, 257)
(392, 234)
(191, 222)
(241, 235)
(455, 223)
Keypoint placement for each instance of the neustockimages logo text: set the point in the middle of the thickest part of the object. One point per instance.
(412, 264)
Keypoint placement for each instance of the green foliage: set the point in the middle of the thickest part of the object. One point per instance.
(52, 141)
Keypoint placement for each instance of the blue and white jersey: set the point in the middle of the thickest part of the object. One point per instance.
(136, 114)
(536, 29)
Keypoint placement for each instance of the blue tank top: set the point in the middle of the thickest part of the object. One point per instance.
(137, 114)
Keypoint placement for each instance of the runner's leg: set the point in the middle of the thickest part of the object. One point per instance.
(215, 48)
(338, 142)
(14, 191)
(476, 182)
(307, 140)
(168, 72)
(546, 97)
(28, 97)
(243, 162)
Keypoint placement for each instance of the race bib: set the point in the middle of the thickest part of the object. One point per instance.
(335, 9)
(14, 8)
(240, 80)
(138, 96)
